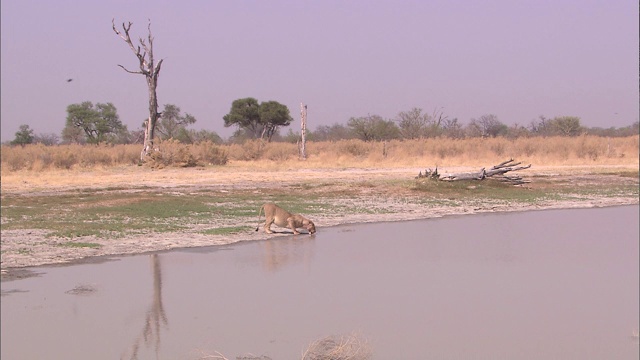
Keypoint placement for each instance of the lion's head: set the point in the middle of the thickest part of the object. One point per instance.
(311, 227)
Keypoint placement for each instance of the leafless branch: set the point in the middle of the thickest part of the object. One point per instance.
(129, 71)
(145, 58)
(505, 163)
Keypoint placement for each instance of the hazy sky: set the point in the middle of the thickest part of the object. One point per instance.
(515, 59)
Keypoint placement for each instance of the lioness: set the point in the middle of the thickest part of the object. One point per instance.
(275, 214)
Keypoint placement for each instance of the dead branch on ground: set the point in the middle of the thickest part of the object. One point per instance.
(498, 171)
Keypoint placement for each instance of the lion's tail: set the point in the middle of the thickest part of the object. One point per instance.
(259, 214)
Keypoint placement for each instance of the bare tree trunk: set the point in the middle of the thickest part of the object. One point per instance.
(154, 115)
(144, 53)
(303, 131)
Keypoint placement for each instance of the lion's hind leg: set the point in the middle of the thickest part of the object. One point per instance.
(267, 225)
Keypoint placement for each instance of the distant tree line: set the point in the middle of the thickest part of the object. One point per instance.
(87, 123)
(416, 124)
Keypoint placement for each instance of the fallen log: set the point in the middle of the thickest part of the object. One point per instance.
(496, 170)
(479, 175)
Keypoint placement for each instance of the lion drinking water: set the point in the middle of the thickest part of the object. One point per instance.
(275, 214)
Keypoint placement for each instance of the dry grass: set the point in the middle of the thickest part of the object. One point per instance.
(41, 158)
(582, 150)
(174, 153)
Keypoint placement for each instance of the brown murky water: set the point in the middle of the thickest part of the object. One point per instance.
(559, 284)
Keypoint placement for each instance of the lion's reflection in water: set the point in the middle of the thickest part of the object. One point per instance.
(278, 253)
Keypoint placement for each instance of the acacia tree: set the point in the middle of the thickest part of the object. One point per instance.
(273, 115)
(151, 70)
(24, 136)
(99, 123)
(413, 124)
(245, 113)
(567, 125)
(258, 119)
(451, 128)
(486, 126)
(172, 123)
(373, 128)
(541, 127)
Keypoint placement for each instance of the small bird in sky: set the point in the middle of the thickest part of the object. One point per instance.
(69, 80)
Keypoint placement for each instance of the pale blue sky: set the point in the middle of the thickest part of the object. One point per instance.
(515, 59)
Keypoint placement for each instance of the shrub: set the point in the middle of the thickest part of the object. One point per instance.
(91, 156)
(64, 159)
(247, 151)
(126, 154)
(212, 154)
(589, 148)
(12, 159)
(280, 151)
(171, 153)
(357, 148)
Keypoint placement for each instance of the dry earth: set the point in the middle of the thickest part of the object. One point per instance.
(46, 251)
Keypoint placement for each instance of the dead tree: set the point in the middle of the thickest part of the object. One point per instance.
(151, 70)
(500, 170)
(303, 131)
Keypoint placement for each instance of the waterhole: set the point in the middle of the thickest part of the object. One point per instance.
(554, 284)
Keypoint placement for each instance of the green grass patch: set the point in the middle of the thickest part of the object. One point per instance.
(80, 245)
(24, 251)
(228, 230)
(107, 214)
(474, 189)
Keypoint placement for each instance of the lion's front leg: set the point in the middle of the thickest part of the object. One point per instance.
(292, 226)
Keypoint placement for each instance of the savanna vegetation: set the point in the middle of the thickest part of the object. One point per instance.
(412, 137)
(555, 150)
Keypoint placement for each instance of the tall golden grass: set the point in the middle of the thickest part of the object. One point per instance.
(582, 150)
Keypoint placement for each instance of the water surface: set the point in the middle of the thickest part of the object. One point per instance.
(559, 284)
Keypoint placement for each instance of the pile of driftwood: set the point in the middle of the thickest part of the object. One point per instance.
(497, 172)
